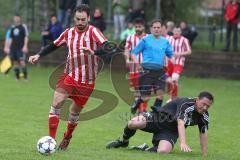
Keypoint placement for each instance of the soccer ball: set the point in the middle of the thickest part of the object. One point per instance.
(46, 145)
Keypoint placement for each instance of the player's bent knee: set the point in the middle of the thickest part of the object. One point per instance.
(163, 151)
(58, 101)
(164, 147)
(138, 122)
(132, 124)
(60, 96)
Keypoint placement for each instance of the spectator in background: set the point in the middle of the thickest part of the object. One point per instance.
(190, 34)
(119, 18)
(170, 26)
(127, 32)
(52, 32)
(231, 15)
(130, 15)
(98, 20)
(17, 47)
(66, 8)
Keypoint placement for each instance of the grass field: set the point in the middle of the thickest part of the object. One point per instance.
(24, 108)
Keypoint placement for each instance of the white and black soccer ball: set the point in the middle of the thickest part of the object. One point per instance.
(46, 145)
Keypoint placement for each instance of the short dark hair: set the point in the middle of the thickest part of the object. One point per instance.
(207, 95)
(184, 21)
(83, 8)
(139, 21)
(17, 15)
(156, 21)
(177, 26)
(53, 15)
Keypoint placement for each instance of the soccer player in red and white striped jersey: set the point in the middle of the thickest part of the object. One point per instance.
(131, 43)
(181, 49)
(77, 81)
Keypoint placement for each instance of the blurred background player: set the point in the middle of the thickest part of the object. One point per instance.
(78, 80)
(187, 32)
(131, 43)
(181, 49)
(153, 47)
(169, 27)
(17, 47)
(130, 30)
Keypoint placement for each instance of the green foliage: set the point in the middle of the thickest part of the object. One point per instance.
(187, 10)
(24, 108)
(6, 13)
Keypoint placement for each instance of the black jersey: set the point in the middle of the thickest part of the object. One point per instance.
(18, 33)
(184, 109)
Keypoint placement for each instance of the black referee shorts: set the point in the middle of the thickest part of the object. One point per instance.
(17, 55)
(151, 79)
(160, 132)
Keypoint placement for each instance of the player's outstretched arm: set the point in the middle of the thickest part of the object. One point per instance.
(45, 51)
(182, 137)
(204, 143)
(33, 59)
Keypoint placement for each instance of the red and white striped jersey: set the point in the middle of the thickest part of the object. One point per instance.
(81, 66)
(180, 44)
(131, 43)
(166, 59)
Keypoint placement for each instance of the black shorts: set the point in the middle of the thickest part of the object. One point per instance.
(17, 55)
(151, 79)
(160, 132)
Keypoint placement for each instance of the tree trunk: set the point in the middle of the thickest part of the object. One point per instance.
(168, 8)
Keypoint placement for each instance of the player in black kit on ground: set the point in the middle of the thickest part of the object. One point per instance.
(168, 123)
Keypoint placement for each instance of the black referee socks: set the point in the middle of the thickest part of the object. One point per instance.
(128, 133)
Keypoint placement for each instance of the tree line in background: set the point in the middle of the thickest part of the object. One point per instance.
(36, 13)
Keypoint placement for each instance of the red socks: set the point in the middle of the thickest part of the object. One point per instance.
(53, 121)
(174, 90)
(70, 129)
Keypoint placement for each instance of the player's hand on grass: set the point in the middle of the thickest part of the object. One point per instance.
(185, 148)
(33, 59)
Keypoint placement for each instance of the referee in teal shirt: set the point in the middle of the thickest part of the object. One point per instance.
(153, 47)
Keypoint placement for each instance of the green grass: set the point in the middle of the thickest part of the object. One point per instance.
(24, 108)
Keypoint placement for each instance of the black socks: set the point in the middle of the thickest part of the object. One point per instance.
(128, 133)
